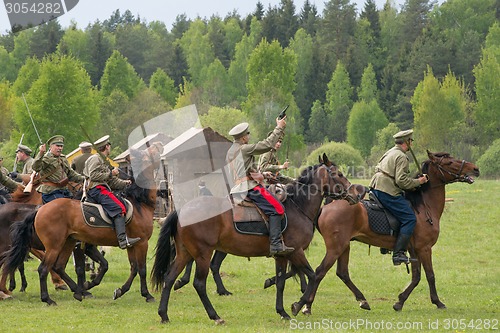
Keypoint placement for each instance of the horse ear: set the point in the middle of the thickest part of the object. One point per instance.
(325, 158)
(320, 160)
(430, 154)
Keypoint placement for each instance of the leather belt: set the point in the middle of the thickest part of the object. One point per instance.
(53, 184)
(241, 180)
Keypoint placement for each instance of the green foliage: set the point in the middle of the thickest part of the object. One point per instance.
(6, 100)
(7, 68)
(488, 163)
(338, 103)
(164, 86)
(70, 93)
(28, 74)
(365, 120)
(368, 89)
(487, 72)
(119, 74)
(383, 142)
(222, 120)
(341, 154)
(318, 125)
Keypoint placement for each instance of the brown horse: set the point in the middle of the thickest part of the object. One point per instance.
(206, 224)
(340, 223)
(60, 223)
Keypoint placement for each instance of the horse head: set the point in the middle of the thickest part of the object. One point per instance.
(352, 193)
(449, 169)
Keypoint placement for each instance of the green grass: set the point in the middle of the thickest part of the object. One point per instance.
(465, 263)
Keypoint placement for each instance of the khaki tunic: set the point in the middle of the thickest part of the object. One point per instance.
(27, 168)
(241, 160)
(269, 162)
(7, 182)
(79, 162)
(392, 173)
(98, 173)
(54, 169)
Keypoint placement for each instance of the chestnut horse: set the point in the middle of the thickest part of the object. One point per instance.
(205, 224)
(60, 224)
(340, 223)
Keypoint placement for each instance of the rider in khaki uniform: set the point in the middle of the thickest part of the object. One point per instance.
(78, 162)
(248, 182)
(391, 179)
(23, 154)
(7, 182)
(102, 181)
(270, 165)
(54, 170)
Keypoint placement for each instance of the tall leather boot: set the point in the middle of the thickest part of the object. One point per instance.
(277, 247)
(123, 240)
(398, 255)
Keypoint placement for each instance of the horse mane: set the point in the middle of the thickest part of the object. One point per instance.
(305, 178)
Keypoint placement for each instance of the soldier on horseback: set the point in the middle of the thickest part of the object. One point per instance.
(270, 166)
(54, 170)
(391, 179)
(23, 154)
(102, 181)
(248, 182)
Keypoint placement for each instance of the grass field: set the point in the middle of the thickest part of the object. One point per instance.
(465, 263)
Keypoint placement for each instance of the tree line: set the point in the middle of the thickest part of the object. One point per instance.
(348, 77)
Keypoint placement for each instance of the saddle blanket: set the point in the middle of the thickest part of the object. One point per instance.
(95, 216)
(259, 228)
(378, 219)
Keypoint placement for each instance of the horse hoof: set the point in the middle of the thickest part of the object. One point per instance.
(117, 294)
(306, 311)
(225, 293)
(219, 321)
(397, 306)
(87, 294)
(267, 284)
(86, 285)
(51, 303)
(4, 296)
(296, 307)
(150, 299)
(364, 305)
(285, 316)
(440, 305)
(179, 284)
(62, 287)
(78, 296)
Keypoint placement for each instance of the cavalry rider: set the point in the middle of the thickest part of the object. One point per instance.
(6, 184)
(54, 170)
(391, 179)
(102, 181)
(248, 182)
(23, 154)
(270, 166)
(78, 162)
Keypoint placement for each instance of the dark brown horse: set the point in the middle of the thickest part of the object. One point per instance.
(60, 223)
(206, 224)
(340, 223)
(21, 205)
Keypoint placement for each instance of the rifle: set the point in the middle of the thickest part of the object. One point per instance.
(105, 159)
(283, 112)
(414, 158)
(15, 161)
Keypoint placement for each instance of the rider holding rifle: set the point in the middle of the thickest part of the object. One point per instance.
(391, 179)
(54, 170)
(23, 154)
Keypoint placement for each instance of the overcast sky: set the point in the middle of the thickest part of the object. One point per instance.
(88, 11)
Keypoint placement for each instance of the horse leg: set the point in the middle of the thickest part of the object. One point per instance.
(12, 280)
(93, 253)
(140, 258)
(343, 274)
(302, 266)
(79, 257)
(56, 279)
(200, 284)
(292, 272)
(119, 292)
(180, 261)
(185, 277)
(415, 279)
(59, 268)
(280, 265)
(215, 264)
(333, 251)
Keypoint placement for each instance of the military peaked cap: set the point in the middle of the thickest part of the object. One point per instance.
(239, 130)
(102, 142)
(24, 149)
(56, 140)
(403, 136)
(85, 144)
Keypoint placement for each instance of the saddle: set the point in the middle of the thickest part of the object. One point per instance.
(249, 219)
(95, 216)
(381, 221)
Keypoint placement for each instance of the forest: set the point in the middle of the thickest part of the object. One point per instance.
(351, 79)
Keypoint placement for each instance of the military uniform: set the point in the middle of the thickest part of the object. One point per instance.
(101, 183)
(78, 162)
(7, 182)
(27, 163)
(269, 162)
(391, 179)
(241, 161)
(55, 173)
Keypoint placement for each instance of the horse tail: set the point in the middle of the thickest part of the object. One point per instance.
(164, 252)
(21, 233)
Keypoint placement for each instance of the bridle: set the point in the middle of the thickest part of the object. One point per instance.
(343, 195)
(457, 177)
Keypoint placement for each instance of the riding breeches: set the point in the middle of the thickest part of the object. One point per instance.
(112, 205)
(266, 201)
(401, 209)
